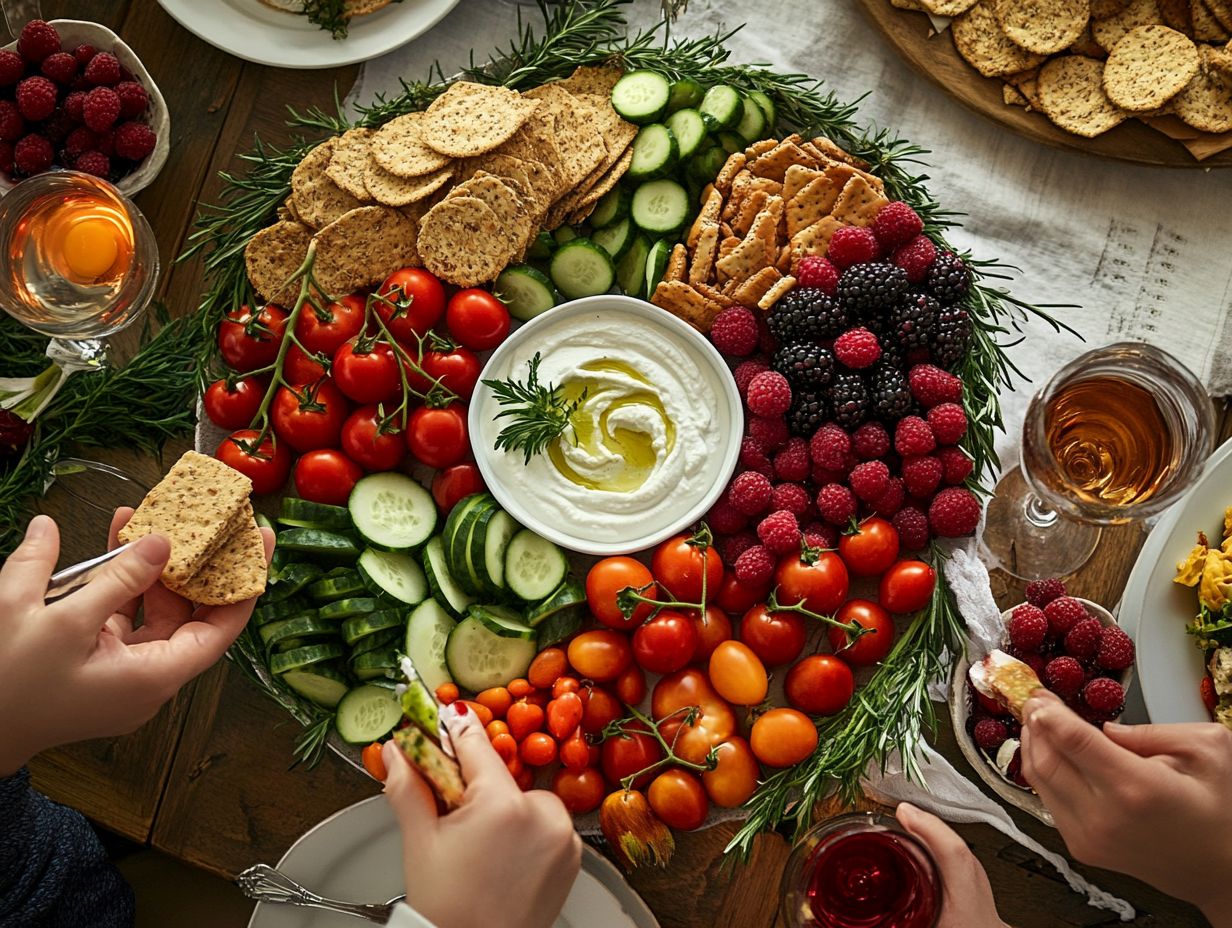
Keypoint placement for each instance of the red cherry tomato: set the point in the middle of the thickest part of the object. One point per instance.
(581, 791)
(630, 686)
(734, 776)
(477, 319)
(665, 643)
(907, 587)
(600, 655)
(455, 483)
(457, 370)
(713, 722)
(311, 418)
(370, 446)
(324, 330)
(249, 340)
(233, 407)
(738, 598)
(628, 754)
(870, 647)
(817, 579)
(538, 750)
(326, 476)
(601, 709)
(367, 371)
(267, 468)
(775, 637)
(606, 579)
(680, 566)
(679, 799)
(821, 684)
(414, 304)
(872, 549)
(437, 437)
(713, 627)
(299, 368)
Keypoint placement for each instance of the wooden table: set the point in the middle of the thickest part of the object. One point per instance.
(207, 780)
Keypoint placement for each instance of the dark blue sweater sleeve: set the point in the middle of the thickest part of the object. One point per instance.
(54, 872)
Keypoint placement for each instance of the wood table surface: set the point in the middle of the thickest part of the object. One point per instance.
(207, 781)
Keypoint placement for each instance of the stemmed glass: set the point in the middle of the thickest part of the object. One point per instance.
(1117, 435)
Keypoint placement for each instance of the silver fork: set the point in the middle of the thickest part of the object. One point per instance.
(263, 883)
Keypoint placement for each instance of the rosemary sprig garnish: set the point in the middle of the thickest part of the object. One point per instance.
(539, 415)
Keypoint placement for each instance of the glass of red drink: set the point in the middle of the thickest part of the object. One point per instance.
(860, 871)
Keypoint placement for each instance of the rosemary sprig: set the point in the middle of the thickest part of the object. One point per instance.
(538, 414)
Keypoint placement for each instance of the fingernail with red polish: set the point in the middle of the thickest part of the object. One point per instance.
(460, 707)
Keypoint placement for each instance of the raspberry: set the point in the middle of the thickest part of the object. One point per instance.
(1032, 659)
(36, 98)
(857, 348)
(955, 464)
(73, 105)
(916, 257)
(1104, 697)
(869, 480)
(852, 245)
(12, 126)
(724, 519)
(93, 162)
(771, 434)
(870, 441)
(750, 493)
(836, 503)
(892, 498)
(100, 109)
(103, 70)
(912, 526)
(820, 535)
(1082, 641)
(990, 734)
(912, 435)
(954, 512)
(1028, 627)
(767, 341)
(769, 392)
(106, 142)
(1064, 676)
(38, 39)
(32, 154)
(779, 532)
(922, 474)
(823, 475)
(745, 371)
(948, 422)
(134, 140)
(1064, 613)
(753, 458)
(12, 68)
(792, 497)
(990, 705)
(1116, 649)
(931, 385)
(734, 330)
(134, 100)
(830, 446)
(754, 566)
(793, 462)
(817, 272)
(60, 67)
(1042, 592)
(731, 548)
(83, 54)
(896, 224)
(80, 141)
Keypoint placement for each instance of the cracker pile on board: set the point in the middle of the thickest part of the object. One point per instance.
(202, 507)
(771, 205)
(1089, 65)
(462, 188)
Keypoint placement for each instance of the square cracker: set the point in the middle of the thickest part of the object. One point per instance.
(745, 260)
(687, 304)
(727, 174)
(702, 267)
(715, 295)
(712, 206)
(677, 264)
(797, 178)
(815, 240)
(234, 572)
(747, 211)
(859, 203)
(776, 293)
(751, 291)
(774, 163)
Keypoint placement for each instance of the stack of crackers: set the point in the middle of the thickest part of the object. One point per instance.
(771, 205)
(202, 507)
(462, 188)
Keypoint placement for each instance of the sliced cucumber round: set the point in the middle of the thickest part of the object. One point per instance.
(752, 124)
(616, 238)
(498, 532)
(303, 512)
(373, 664)
(394, 575)
(291, 579)
(684, 92)
(612, 207)
(656, 264)
(320, 543)
(767, 107)
(655, 152)
(283, 609)
(689, 130)
(542, 247)
(526, 292)
(320, 684)
(721, 107)
(581, 268)
(444, 587)
(367, 713)
(297, 626)
(304, 657)
(659, 207)
(534, 567)
(339, 586)
(501, 620)
(631, 270)
(358, 627)
(641, 96)
(392, 511)
(427, 631)
(389, 637)
(479, 659)
(345, 608)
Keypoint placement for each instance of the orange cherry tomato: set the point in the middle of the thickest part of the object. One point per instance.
(515, 766)
(574, 751)
(564, 714)
(538, 750)
(565, 685)
(525, 780)
(548, 664)
(497, 699)
(605, 581)
(496, 727)
(601, 709)
(482, 712)
(581, 791)
(679, 798)
(631, 686)
(715, 721)
(447, 694)
(783, 737)
(600, 655)
(821, 684)
(523, 718)
(734, 776)
(519, 688)
(737, 674)
(538, 698)
(506, 747)
(373, 762)
(713, 626)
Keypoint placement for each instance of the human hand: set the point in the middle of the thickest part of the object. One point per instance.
(966, 895)
(77, 668)
(1147, 800)
(503, 857)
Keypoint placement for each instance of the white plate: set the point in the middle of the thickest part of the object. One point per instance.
(1154, 610)
(356, 855)
(251, 30)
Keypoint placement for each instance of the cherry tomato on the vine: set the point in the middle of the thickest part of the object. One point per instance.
(451, 484)
(713, 626)
(687, 691)
(415, 300)
(477, 319)
(871, 646)
(679, 567)
(324, 330)
(267, 468)
(738, 674)
(234, 406)
(249, 340)
(870, 550)
(816, 578)
(601, 709)
(310, 417)
(733, 779)
(581, 791)
(783, 737)
(326, 476)
(907, 587)
(665, 643)
(820, 684)
(738, 598)
(299, 368)
(775, 637)
(679, 799)
(600, 655)
(367, 371)
(607, 578)
(437, 437)
(457, 369)
(367, 445)
(624, 755)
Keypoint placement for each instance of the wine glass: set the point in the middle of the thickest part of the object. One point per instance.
(1117, 435)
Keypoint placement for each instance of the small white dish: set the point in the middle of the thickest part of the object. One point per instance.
(74, 32)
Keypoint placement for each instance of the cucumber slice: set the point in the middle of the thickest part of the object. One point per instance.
(393, 574)
(373, 664)
(616, 238)
(392, 511)
(303, 657)
(721, 107)
(318, 543)
(367, 713)
(340, 586)
(581, 268)
(655, 152)
(542, 247)
(503, 621)
(569, 595)
(752, 124)
(386, 638)
(689, 129)
(564, 235)
(307, 625)
(291, 579)
(525, 291)
(457, 532)
(684, 92)
(631, 270)
(283, 609)
(358, 627)
(427, 631)
(499, 532)
(320, 684)
(659, 207)
(562, 624)
(767, 107)
(307, 514)
(730, 142)
(290, 644)
(445, 589)
(612, 207)
(471, 576)
(534, 567)
(706, 166)
(263, 521)
(345, 608)
(641, 96)
(478, 658)
(656, 264)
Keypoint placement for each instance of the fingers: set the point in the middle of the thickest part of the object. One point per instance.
(411, 798)
(481, 765)
(24, 576)
(123, 579)
(947, 848)
(119, 519)
(1153, 740)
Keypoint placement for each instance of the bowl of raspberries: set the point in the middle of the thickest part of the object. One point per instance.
(73, 96)
(1076, 649)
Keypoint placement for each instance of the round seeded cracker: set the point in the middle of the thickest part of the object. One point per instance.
(510, 211)
(1108, 31)
(979, 39)
(398, 147)
(1206, 103)
(363, 247)
(460, 241)
(1071, 94)
(1148, 67)
(1043, 26)
(392, 190)
(315, 198)
(470, 119)
(347, 163)
(272, 256)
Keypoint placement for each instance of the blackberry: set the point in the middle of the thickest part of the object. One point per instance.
(891, 397)
(949, 278)
(866, 288)
(807, 413)
(951, 336)
(849, 398)
(913, 321)
(806, 365)
(806, 314)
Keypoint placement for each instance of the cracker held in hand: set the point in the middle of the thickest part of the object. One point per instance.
(1148, 67)
(1043, 26)
(470, 119)
(1071, 93)
(1006, 680)
(232, 574)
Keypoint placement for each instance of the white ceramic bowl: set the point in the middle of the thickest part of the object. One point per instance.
(74, 32)
(690, 505)
(960, 711)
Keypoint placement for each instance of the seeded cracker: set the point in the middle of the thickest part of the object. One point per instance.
(1222, 11)
(859, 203)
(392, 190)
(946, 7)
(1220, 61)
(364, 247)
(233, 573)
(685, 303)
(1102, 9)
(510, 212)
(1206, 103)
(1205, 26)
(457, 239)
(609, 179)
(1042, 26)
(582, 148)
(1107, 32)
(1072, 95)
(983, 45)
(1176, 15)
(398, 147)
(348, 161)
(1148, 67)
(315, 198)
(591, 79)
(272, 256)
(470, 119)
